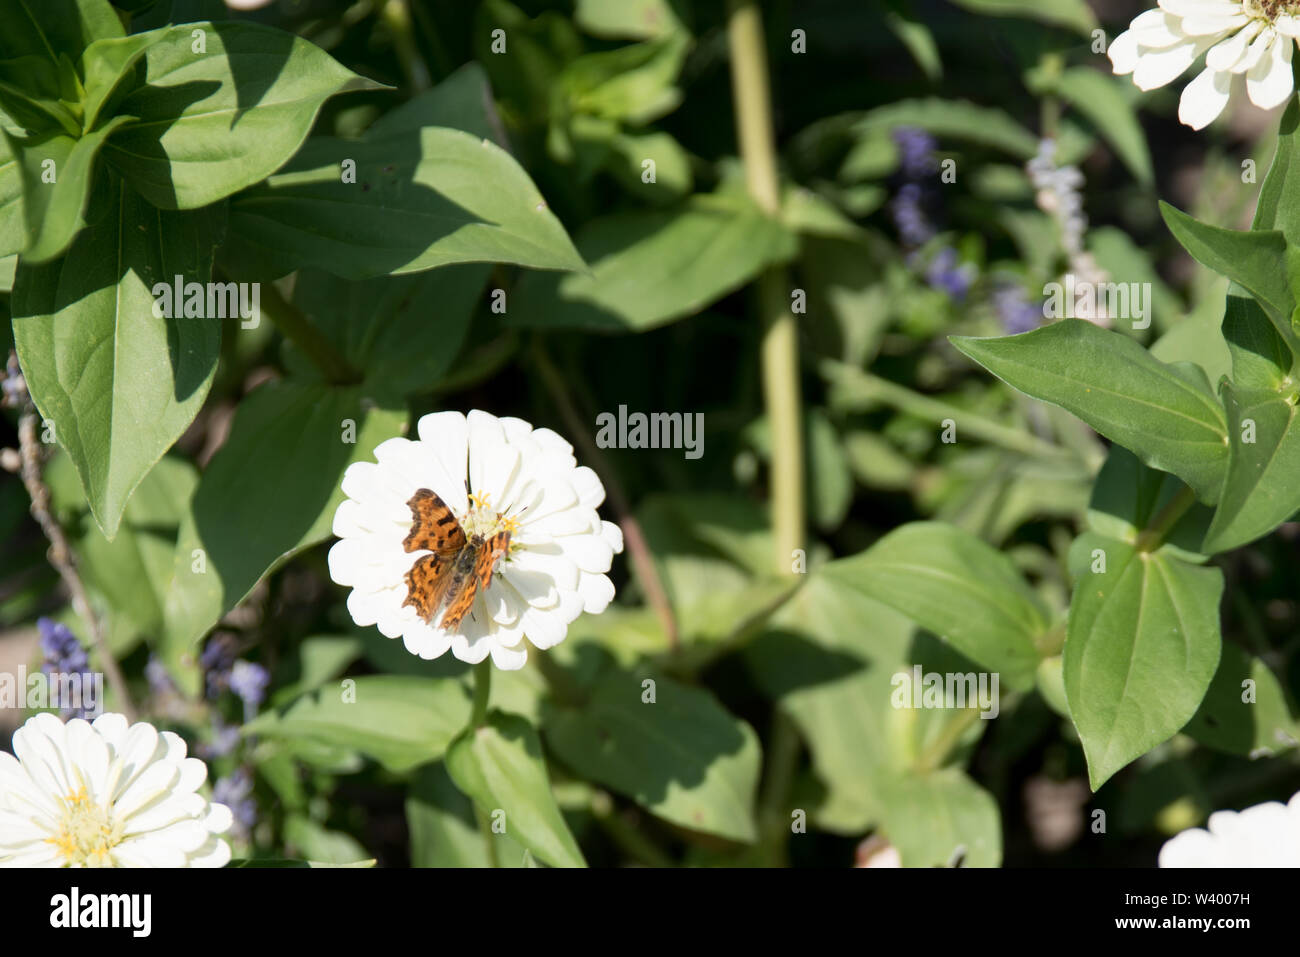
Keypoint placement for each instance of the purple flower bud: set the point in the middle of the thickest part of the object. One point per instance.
(235, 791)
(249, 681)
(1015, 310)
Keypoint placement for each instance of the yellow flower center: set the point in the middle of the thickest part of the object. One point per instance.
(86, 832)
(1268, 10)
(484, 520)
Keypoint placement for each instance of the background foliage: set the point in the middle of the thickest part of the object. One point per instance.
(523, 171)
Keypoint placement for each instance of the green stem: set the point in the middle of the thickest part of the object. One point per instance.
(1051, 66)
(781, 762)
(780, 345)
(489, 841)
(1153, 536)
(943, 745)
(633, 843)
(873, 388)
(482, 691)
(396, 15)
(478, 718)
(297, 328)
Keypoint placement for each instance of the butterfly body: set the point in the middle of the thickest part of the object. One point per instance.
(457, 568)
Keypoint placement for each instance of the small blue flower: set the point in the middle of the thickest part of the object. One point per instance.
(916, 152)
(235, 791)
(63, 655)
(1015, 310)
(217, 659)
(946, 274)
(249, 681)
(225, 739)
(160, 682)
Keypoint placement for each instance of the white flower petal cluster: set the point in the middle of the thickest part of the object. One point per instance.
(1266, 835)
(107, 794)
(1256, 38)
(494, 474)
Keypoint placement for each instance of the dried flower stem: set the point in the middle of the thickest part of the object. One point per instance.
(643, 565)
(60, 555)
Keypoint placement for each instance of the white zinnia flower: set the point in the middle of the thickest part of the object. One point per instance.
(1266, 835)
(1254, 37)
(105, 795)
(495, 475)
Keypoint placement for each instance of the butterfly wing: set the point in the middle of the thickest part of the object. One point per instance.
(427, 583)
(434, 529)
(433, 525)
(485, 560)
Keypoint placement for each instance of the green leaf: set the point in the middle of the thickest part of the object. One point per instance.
(442, 826)
(631, 19)
(463, 101)
(917, 37)
(210, 122)
(49, 27)
(41, 97)
(398, 720)
(957, 119)
(13, 236)
(1073, 14)
(500, 767)
(1257, 260)
(282, 862)
(682, 756)
(831, 657)
(118, 383)
(53, 210)
(243, 522)
(1261, 358)
(1165, 414)
(422, 198)
(650, 267)
(131, 573)
(633, 83)
(404, 331)
(1246, 711)
(315, 660)
(1100, 98)
(105, 65)
(322, 846)
(1142, 647)
(1260, 491)
(1197, 337)
(958, 587)
(1279, 196)
(1128, 497)
(942, 819)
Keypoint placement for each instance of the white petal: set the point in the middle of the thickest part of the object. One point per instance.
(1160, 67)
(508, 659)
(1204, 98)
(1270, 81)
(1226, 55)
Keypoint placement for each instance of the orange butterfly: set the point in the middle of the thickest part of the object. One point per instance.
(458, 568)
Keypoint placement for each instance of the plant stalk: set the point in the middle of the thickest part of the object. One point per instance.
(61, 558)
(780, 344)
(1153, 536)
(297, 328)
(482, 691)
